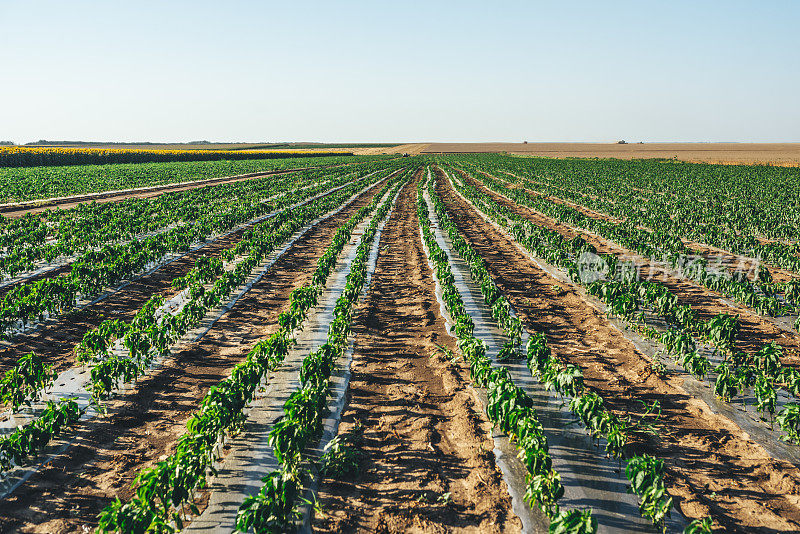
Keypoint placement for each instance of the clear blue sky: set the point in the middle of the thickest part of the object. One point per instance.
(400, 71)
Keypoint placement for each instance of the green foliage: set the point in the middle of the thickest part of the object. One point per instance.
(32, 438)
(508, 406)
(646, 475)
(574, 522)
(24, 382)
(272, 510)
(618, 286)
(788, 420)
(116, 240)
(162, 490)
(342, 455)
(699, 526)
(32, 180)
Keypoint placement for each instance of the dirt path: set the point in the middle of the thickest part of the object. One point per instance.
(144, 425)
(428, 464)
(756, 330)
(712, 467)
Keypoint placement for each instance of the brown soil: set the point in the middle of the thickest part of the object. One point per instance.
(144, 425)
(55, 341)
(425, 434)
(756, 330)
(785, 154)
(717, 257)
(712, 467)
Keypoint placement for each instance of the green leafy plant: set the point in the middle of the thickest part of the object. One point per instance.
(699, 526)
(32, 438)
(23, 383)
(161, 492)
(788, 420)
(342, 455)
(272, 510)
(646, 475)
(573, 522)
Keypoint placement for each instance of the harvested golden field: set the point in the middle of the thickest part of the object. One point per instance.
(784, 154)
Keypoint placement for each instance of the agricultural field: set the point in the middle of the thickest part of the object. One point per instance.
(782, 154)
(27, 156)
(432, 343)
(22, 182)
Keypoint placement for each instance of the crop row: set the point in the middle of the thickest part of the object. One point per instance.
(683, 196)
(690, 201)
(273, 510)
(161, 492)
(55, 233)
(31, 183)
(644, 472)
(759, 294)
(720, 331)
(95, 270)
(149, 335)
(508, 407)
(626, 296)
(58, 233)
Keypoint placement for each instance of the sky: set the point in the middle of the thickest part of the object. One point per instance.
(359, 71)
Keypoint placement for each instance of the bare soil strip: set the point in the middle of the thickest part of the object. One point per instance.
(55, 340)
(715, 256)
(428, 464)
(756, 330)
(144, 425)
(65, 267)
(712, 467)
